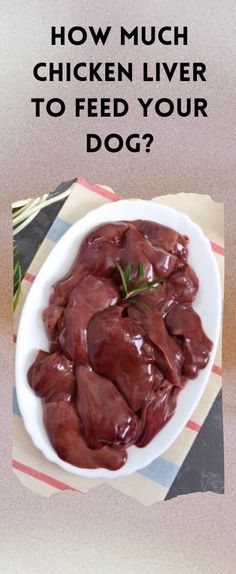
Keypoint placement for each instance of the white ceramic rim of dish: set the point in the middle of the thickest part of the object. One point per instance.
(26, 398)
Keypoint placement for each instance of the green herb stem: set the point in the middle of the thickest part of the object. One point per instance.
(17, 277)
(139, 287)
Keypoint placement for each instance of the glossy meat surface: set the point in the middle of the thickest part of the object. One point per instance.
(183, 285)
(165, 238)
(184, 323)
(104, 413)
(117, 349)
(64, 430)
(118, 356)
(51, 376)
(157, 412)
(97, 256)
(157, 262)
(91, 295)
(168, 354)
(53, 318)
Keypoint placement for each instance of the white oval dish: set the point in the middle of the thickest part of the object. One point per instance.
(31, 334)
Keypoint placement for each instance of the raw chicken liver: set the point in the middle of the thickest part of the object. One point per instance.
(51, 375)
(184, 323)
(91, 295)
(118, 357)
(104, 413)
(64, 430)
(117, 349)
(168, 354)
(165, 238)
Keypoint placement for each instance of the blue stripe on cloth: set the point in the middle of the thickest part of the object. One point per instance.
(161, 471)
(15, 405)
(57, 230)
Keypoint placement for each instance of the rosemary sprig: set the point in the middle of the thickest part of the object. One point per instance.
(17, 277)
(139, 287)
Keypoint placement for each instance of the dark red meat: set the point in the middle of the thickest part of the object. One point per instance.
(168, 354)
(97, 256)
(64, 431)
(91, 295)
(117, 349)
(116, 366)
(157, 412)
(51, 376)
(183, 285)
(106, 245)
(53, 317)
(104, 413)
(165, 238)
(184, 323)
(157, 262)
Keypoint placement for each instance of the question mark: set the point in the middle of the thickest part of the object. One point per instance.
(149, 138)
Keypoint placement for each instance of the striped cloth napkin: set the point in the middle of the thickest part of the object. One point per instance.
(153, 482)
